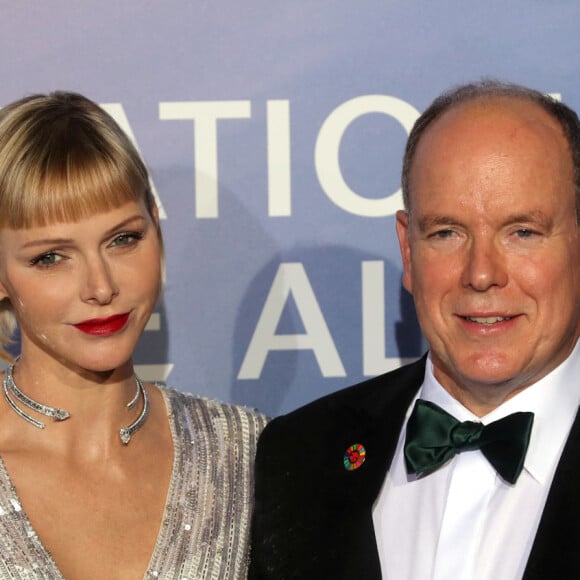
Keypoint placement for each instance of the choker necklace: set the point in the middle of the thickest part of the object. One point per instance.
(11, 390)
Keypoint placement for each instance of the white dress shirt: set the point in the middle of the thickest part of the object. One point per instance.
(463, 522)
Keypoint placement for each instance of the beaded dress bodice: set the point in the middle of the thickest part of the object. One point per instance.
(204, 534)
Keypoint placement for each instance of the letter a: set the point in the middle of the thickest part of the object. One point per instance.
(291, 278)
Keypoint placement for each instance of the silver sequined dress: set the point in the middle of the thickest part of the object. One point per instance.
(205, 530)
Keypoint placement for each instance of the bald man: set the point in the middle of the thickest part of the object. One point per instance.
(466, 464)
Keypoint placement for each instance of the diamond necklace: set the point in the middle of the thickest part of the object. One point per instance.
(11, 390)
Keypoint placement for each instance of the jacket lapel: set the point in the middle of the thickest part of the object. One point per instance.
(375, 422)
(555, 552)
(312, 517)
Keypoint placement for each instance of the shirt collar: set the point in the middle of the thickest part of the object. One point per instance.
(554, 401)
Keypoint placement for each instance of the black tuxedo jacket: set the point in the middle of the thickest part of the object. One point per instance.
(313, 518)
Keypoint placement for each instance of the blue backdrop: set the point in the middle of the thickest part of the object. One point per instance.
(274, 133)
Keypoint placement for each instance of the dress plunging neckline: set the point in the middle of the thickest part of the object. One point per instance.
(9, 495)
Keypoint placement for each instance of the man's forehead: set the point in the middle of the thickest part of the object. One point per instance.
(508, 143)
(497, 111)
(495, 125)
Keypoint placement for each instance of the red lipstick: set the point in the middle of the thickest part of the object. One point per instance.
(103, 326)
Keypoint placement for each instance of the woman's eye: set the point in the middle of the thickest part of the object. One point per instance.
(126, 239)
(46, 260)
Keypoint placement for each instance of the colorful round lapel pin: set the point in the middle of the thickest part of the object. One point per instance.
(354, 457)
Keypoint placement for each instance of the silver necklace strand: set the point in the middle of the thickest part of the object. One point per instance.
(126, 432)
(10, 390)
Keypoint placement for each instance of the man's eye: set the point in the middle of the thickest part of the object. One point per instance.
(443, 234)
(46, 260)
(525, 233)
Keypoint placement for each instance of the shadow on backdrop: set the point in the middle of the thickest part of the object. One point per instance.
(290, 378)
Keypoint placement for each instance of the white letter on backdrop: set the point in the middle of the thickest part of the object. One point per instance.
(117, 111)
(326, 154)
(291, 278)
(279, 192)
(205, 115)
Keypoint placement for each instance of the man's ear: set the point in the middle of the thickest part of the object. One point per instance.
(3, 291)
(402, 226)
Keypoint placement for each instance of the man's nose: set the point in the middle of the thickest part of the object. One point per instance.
(484, 266)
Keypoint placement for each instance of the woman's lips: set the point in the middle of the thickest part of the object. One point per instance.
(103, 326)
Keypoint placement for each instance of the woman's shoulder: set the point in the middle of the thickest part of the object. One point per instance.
(210, 409)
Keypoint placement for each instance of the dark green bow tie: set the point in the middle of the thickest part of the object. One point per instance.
(434, 436)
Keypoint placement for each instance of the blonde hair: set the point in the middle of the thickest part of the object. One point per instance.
(62, 159)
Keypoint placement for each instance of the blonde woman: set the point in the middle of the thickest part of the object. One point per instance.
(101, 475)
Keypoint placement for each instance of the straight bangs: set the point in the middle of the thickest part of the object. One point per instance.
(66, 166)
(78, 190)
